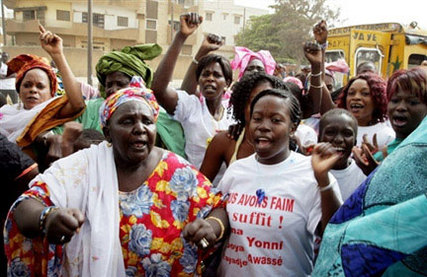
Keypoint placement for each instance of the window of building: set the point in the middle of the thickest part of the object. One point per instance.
(29, 15)
(98, 45)
(122, 21)
(209, 16)
(151, 24)
(152, 9)
(97, 20)
(236, 19)
(224, 16)
(62, 15)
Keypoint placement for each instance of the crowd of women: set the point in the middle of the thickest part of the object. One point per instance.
(260, 176)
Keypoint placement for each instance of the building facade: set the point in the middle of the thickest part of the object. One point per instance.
(118, 23)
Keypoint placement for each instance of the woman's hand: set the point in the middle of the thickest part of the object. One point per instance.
(234, 131)
(313, 53)
(72, 131)
(323, 159)
(62, 224)
(364, 155)
(364, 159)
(320, 32)
(373, 147)
(212, 42)
(54, 153)
(201, 233)
(189, 23)
(50, 42)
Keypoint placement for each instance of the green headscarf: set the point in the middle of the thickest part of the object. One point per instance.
(130, 61)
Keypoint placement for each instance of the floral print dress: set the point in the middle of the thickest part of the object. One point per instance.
(151, 221)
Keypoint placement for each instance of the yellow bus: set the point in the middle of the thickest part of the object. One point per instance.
(390, 46)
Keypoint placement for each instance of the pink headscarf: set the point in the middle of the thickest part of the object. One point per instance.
(337, 66)
(243, 56)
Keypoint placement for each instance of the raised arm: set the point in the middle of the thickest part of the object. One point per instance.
(52, 44)
(318, 93)
(167, 96)
(211, 43)
(320, 32)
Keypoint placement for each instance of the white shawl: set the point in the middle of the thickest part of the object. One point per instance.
(14, 119)
(87, 180)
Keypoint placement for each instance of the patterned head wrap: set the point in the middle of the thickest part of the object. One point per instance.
(136, 92)
(243, 56)
(129, 61)
(23, 63)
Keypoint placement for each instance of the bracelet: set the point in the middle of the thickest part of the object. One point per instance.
(317, 74)
(44, 214)
(221, 225)
(195, 61)
(323, 46)
(313, 86)
(328, 187)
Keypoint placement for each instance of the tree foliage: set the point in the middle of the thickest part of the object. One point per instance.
(284, 32)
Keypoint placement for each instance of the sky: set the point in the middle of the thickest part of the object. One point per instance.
(368, 11)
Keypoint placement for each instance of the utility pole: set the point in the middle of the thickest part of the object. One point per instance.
(89, 42)
(3, 23)
(172, 23)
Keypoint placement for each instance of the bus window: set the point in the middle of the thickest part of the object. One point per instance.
(333, 56)
(368, 55)
(415, 60)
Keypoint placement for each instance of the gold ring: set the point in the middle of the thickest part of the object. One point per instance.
(204, 243)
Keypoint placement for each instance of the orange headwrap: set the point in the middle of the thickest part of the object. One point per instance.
(22, 63)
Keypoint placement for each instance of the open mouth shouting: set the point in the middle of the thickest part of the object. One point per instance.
(139, 145)
(262, 142)
(210, 88)
(356, 107)
(399, 120)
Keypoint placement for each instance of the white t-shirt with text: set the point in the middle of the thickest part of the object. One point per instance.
(272, 236)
